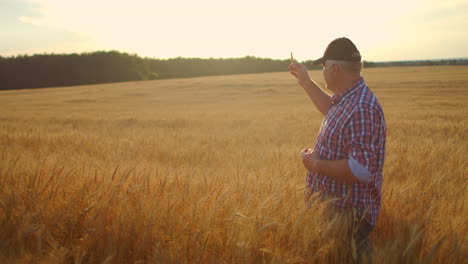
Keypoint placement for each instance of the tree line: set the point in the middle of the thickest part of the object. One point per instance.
(48, 70)
(52, 70)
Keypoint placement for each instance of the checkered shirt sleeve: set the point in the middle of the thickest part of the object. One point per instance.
(363, 137)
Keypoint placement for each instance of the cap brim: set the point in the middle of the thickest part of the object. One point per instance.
(319, 61)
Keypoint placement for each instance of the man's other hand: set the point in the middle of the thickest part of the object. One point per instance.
(310, 159)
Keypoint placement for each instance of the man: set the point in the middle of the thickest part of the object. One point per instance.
(348, 156)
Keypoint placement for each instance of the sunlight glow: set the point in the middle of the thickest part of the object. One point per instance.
(208, 28)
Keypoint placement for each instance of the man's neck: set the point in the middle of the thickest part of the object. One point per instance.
(344, 86)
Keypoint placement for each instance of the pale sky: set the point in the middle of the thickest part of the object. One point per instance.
(382, 30)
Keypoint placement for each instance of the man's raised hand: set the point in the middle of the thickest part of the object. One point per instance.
(300, 72)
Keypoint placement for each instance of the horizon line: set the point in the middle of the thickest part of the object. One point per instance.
(208, 58)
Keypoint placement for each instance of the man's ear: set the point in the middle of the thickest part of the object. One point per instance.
(335, 69)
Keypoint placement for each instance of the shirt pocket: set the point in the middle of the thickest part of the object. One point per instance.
(332, 134)
(333, 142)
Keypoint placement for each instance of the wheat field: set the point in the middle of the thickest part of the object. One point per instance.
(208, 170)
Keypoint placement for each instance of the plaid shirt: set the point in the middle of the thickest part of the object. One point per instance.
(354, 126)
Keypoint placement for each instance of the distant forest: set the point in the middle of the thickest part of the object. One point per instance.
(51, 70)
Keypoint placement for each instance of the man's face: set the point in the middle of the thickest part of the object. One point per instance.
(328, 74)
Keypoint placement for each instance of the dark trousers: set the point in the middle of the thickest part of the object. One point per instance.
(363, 246)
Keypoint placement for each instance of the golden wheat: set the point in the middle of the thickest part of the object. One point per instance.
(207, 170)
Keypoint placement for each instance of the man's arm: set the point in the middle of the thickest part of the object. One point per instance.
(320, 99)
(337, 169)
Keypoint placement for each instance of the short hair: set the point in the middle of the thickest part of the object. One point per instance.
(348, 66)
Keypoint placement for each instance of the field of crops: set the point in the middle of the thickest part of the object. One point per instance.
(208, 170)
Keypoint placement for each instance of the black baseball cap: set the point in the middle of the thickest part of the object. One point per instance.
(341, 49)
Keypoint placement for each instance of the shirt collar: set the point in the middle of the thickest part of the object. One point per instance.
(338, 97)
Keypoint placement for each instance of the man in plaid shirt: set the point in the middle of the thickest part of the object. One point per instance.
(348, 156)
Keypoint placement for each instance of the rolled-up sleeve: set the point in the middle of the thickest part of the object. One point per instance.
(362, 137)
(359, 171)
